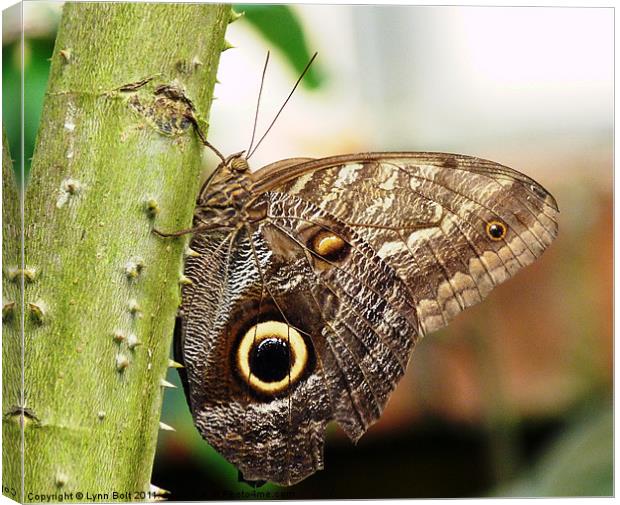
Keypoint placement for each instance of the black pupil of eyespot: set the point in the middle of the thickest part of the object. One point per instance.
(270, 359)
(496, 230)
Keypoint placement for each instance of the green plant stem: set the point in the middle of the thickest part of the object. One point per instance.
(113, 160)
(12, 344)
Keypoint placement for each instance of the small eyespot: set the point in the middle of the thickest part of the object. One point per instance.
(271, 356)
(496, 230)
(329, 245)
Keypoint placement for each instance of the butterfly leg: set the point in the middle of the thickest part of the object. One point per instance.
(174, 234)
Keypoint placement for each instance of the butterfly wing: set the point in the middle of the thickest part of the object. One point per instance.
(352, 260)
(427, 215)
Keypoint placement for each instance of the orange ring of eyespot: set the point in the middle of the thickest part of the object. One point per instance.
(265, 330)
(501, 225)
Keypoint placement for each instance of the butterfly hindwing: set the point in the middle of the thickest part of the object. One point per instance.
(357, 340)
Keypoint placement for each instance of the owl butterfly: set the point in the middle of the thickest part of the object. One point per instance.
(314, 278)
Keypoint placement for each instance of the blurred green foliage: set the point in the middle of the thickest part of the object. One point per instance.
(281, 27)
(11, 99)
(37, 53)
(579, 462)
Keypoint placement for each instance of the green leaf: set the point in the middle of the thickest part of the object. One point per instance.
(35, 82)
(37, 53)
(281, 27)
(579, 463)
(11, 99)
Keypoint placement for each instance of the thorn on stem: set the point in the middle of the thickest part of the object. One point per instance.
(174, 364)
(189, 252)
(14, 274)
(132, 341)
(38, 311)
(158, 491)
(134, 267)
(234, 15)
(164, 383)
(61, 479)
(185, 281)
(121, 362)
(8, 311)
(134, 307)
(66, 54)
(151, 207)
(68, 187)
(119, 336)
(165, 427)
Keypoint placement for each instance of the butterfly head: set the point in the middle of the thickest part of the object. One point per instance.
(224, 194)
(237, 162)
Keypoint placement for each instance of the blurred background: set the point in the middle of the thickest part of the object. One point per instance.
(514, 398)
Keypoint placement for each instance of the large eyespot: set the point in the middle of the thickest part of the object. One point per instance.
(496, 230)
(328, 245)
(271, 356)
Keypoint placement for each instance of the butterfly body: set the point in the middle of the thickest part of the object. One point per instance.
(315, 278)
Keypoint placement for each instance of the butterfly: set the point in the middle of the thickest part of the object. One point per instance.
(313, 279)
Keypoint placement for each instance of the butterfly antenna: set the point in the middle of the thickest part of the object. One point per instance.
(283, 105)
(260, 92)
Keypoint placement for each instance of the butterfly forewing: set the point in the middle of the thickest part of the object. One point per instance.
(306, 308)
(426, 215)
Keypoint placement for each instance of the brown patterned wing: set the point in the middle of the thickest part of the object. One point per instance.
(451, 226)
(346, 262)
(339, 304)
